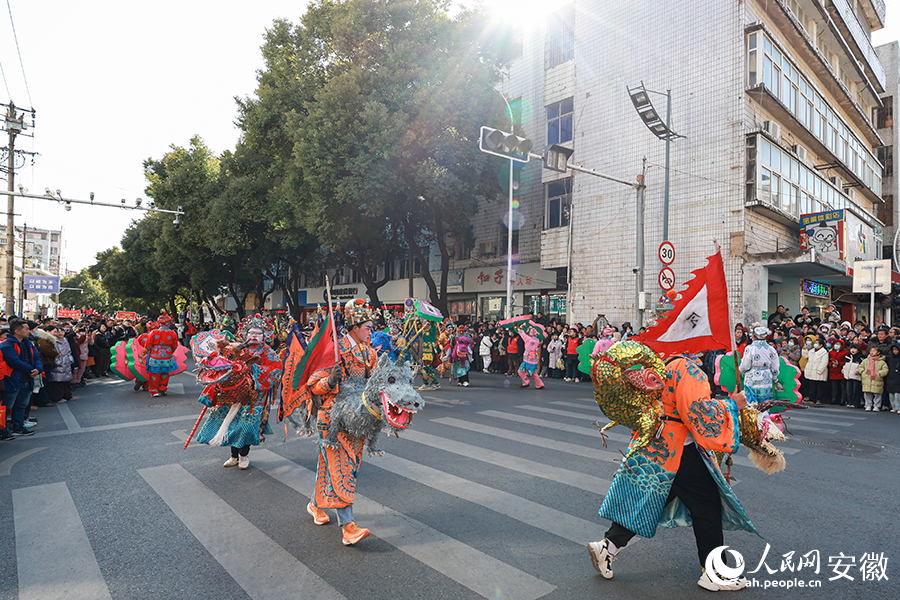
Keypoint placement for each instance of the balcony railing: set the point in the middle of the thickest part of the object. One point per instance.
(861, 39)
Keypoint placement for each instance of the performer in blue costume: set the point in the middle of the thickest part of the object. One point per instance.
(675, 480)
(250, 423)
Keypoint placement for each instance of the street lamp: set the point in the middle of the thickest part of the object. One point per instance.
(650, 117)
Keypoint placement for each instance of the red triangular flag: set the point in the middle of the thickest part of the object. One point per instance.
(701, 317)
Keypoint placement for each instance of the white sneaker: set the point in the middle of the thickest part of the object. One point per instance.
(868, 409)
(465, 384)
(602, 558)
(244, 462)
(727, 585)
(423, 388)
(566, 379)
(231, 462)
(436, 386)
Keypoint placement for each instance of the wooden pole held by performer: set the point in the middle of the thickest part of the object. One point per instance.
(200, 418)
(337, 352)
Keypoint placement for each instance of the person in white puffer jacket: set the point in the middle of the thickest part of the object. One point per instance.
(816, 372)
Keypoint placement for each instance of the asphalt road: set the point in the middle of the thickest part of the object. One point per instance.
(492, 493)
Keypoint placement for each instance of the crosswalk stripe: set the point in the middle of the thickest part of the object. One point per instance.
(114, 426)
(793, 415)
(467, 566)
(521, 509)
(47, 526)
(238, 545)
(531, 440)
(578, 429)
(588, 431)
(68, 417)
(549, 443)
(522, 465)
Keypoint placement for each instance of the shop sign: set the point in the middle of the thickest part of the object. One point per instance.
(346, 293)
(495, 304)
(462, 307)
(493, 279)
(814, 288)
(824, 232)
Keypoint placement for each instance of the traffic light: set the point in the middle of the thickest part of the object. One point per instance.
(505, 145)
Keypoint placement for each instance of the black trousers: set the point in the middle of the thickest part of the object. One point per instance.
(696, 488)
(243, 451)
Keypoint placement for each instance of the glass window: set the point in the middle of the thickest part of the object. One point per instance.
(559, 199)
(561, 38)
(765, 186)
(559, 121)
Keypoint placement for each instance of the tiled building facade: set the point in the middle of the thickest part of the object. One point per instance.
(775, 100)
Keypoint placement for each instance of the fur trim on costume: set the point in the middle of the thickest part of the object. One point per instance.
(222, 434)
(768, 463)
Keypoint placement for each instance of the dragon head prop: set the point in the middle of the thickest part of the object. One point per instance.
(628, 380)
(391, 388)
(226, 374)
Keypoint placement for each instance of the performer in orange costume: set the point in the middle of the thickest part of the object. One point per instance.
(160, 346)
(337, 468)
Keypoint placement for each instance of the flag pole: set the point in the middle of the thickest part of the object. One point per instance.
(337, 355)
(200, 418)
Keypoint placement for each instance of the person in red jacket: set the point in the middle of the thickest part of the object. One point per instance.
(159, 349)
(572, 343)
(837, 356)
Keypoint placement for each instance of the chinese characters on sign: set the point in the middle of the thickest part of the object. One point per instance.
(871, 566)
(46, 285)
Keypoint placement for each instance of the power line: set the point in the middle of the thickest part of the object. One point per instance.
(6, 85)
(21, 64)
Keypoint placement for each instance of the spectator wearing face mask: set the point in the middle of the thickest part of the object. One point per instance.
(837, 356)
(816, 372)
(852, 376)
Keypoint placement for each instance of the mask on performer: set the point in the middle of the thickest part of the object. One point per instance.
(255, 337)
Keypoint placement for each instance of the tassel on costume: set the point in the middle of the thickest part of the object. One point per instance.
(222, 434)
(768, 463)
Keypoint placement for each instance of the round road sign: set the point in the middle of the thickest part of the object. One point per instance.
(666, 253)
(666, 278)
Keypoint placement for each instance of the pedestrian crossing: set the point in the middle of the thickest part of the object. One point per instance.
(47, 520)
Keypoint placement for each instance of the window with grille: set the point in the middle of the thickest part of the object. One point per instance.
(561, 37)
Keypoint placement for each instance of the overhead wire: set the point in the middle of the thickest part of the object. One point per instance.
(21, 64)
(6, 85)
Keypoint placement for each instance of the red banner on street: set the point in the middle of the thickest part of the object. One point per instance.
(68, 313)
(122, 315)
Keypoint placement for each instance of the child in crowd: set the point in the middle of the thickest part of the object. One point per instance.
(873, 370)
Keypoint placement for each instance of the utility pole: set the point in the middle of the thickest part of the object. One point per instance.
(22, 278)
(15, 124)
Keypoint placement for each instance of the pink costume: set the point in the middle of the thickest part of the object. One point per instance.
(530, 360)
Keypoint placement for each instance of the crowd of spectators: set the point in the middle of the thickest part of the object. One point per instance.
(841, 363)
(44, 362)
(499, 350)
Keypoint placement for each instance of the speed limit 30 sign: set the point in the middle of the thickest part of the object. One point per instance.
(666, 253)
(666, 278)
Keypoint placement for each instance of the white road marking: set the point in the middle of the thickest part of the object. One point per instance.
(467, 566)
(48, 525)
(265, 570)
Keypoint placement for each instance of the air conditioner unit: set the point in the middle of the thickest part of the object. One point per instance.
(773, 129)
(837, 181)
(800, 151)
(487, 248)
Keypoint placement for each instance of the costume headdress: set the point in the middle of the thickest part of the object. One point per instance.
(257, 321)
(358, 311)
(165, 320)
(760, 332)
